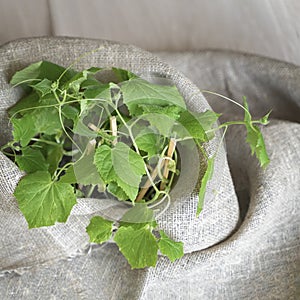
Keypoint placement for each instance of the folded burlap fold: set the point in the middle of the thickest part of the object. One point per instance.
(260, 260)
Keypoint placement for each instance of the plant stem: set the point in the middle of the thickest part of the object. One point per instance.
(147, 185)
(113, 128)
(226, 98)
(171, 149)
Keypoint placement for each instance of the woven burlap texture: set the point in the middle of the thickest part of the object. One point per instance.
(255, 256)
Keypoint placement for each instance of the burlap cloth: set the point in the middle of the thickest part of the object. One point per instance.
(254, 254)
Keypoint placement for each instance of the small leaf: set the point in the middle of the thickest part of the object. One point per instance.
(265, 119)
(43, 201)
(139, 246)
(99, 230)
(206, 177)
(24, 129)
(173, 250)
(31, 160)
(255, 138)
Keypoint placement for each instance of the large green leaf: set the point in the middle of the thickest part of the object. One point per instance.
(46, 120)
(24, 129)
(85, 171)
(163, 123)
(41, 70)
(25, 104)
(43, 201)
(189, 126)
(139, 246)
(138, 91)
(121, 165)
(99, 230)
(31, 160)
(173, 250)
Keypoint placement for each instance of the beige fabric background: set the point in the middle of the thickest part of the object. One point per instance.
(265, 27)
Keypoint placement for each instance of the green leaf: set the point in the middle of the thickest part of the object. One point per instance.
(81, 129)
(148, 141)
(138, 214)
(25, 104)
(123, 75)
(139, 246)
(104, 164)
(265, 119)
(24, 129)
(171, 111)
(69, 176)
(46, 120)
(163, 123)
(206, 118)
(117, 191)
(206, 177)
(52, 151)
(31, 160)
(43, 87)
(255, 138)
(70, 112)
(30, 72)
(121, 165)
(43, 201)
(85, 171)
(41, 70)
(173, 250)
(99, 230)
(98, 92)
(75, 82)
(138, 91)
(189, 126)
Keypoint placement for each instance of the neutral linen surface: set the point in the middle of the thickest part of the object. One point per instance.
(256, 259)
(265, 27)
